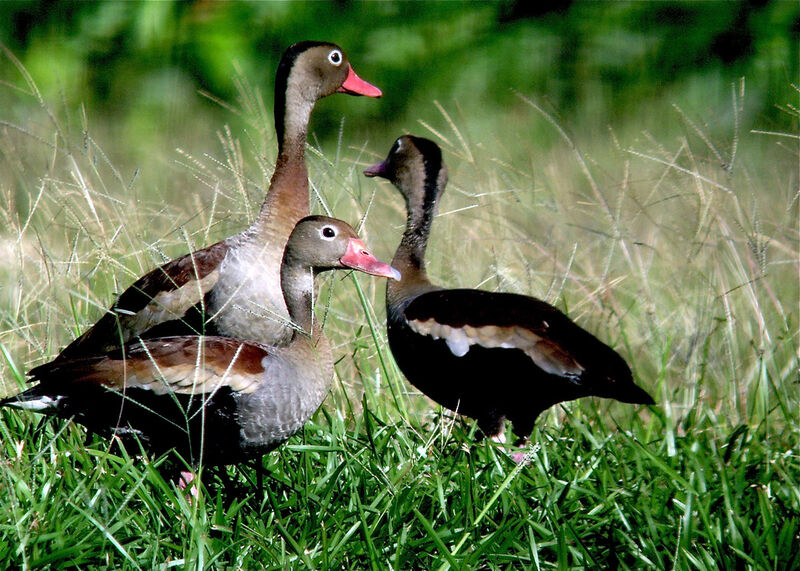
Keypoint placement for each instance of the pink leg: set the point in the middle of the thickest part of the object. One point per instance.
(520, 457)
(186, 479)
(525, 451)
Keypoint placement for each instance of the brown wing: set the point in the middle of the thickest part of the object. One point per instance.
(164, 294)
(464, 318)
(183, 365)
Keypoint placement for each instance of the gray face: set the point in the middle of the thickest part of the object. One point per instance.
(321, 69)
(319, 242)
(324, 243)
(414, 165)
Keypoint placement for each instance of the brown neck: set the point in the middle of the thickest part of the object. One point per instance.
(287, 199)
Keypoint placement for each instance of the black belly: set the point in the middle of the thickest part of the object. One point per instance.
(198, 427)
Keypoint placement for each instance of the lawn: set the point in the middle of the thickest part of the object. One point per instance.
(672, 236)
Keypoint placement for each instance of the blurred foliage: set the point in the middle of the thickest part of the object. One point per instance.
(594, 62)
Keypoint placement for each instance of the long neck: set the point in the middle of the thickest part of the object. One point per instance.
(409, 258)
(410, 255)
(298, 291)
(287, 199)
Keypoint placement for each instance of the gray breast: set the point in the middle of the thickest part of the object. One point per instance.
(292, 390)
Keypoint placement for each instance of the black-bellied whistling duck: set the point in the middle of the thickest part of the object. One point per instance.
(490, 356)
(232, 288)
(217, 400)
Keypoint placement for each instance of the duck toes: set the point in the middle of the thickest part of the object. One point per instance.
(490, 356)
(233, 288)
(216, 400)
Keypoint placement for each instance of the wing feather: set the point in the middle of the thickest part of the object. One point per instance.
(182, 365)
(164, 294)
(464, 318)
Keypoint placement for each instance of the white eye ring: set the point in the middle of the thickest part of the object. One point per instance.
(335, 57)
(328, 233)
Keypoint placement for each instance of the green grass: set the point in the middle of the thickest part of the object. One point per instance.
(649, 239)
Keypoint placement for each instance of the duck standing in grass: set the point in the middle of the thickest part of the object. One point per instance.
(216, 400)
(487, 355)
(233, 288)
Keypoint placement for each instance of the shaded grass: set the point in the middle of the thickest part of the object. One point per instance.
(383, 494)
(686, 265)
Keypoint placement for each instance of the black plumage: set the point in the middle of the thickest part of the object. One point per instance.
(487, 355)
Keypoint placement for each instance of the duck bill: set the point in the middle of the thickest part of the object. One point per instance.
(359, 258)
(354, 85)
(378, 169)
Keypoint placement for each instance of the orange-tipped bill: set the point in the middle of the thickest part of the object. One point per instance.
(354, 85)
(359, 258)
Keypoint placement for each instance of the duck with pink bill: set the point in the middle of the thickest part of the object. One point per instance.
(233, 288)
(214, 399)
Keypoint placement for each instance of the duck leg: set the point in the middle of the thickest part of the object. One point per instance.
(492, 424)
(522, 428)
(187, 478)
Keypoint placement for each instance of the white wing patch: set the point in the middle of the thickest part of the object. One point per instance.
(458, 342)
(43, 403)
(546, 354)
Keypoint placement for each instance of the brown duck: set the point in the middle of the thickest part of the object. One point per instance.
(232, 288)
(216, 400)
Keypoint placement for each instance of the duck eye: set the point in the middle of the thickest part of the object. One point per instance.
(328, 233)
(335, 57)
